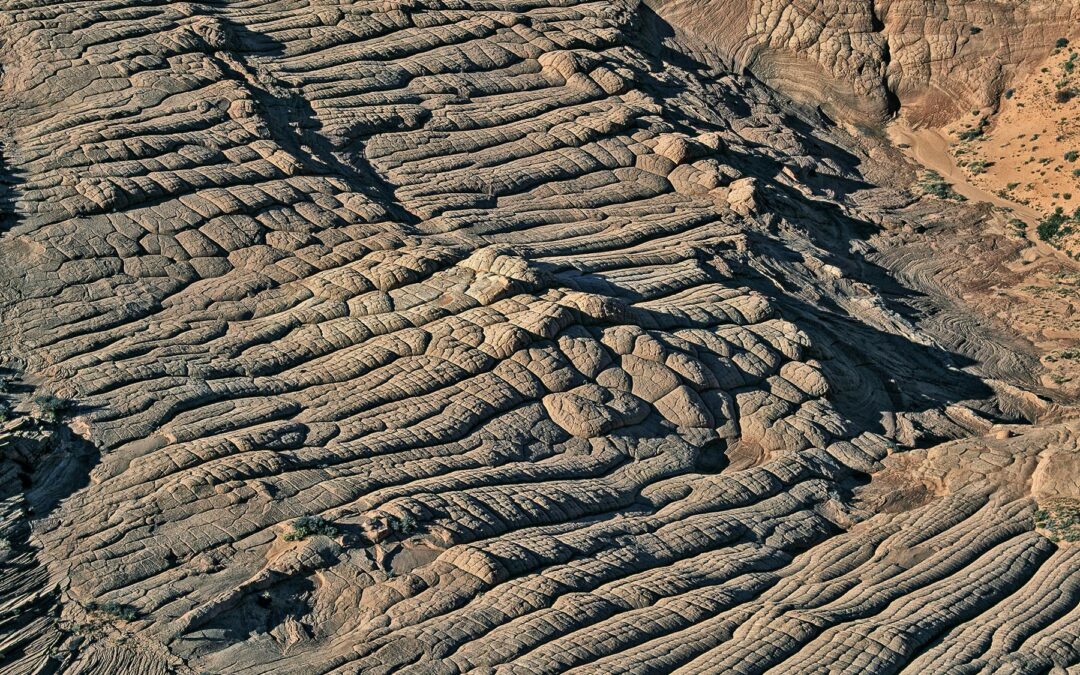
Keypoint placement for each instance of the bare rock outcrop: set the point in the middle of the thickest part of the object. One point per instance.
(861, 60)
(445, 337)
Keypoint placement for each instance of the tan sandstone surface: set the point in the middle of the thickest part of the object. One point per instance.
(861, 60)
(510, 336)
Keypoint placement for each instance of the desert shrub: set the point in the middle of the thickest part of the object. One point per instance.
(1009, 93)
(1064, 95)
(975, 132)
(1062, 43)
(1060, 518)
(979, 167)
(49, 408)
(932, 183)
(114, 609)
(406, 524)
(309, 526)
(1050, 226)
(1072, 156)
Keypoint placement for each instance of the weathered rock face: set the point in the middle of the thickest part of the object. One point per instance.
(444, 337)
(861, 59)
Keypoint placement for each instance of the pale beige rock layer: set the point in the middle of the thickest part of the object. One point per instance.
(559, 331)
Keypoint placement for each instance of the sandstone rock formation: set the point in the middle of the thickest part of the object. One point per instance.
(446, 337)
(863, 59)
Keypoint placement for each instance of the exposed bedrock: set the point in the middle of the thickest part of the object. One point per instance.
(862, 60)
(445, 337)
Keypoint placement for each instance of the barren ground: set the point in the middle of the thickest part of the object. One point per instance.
(527, 336)
(1028, 152)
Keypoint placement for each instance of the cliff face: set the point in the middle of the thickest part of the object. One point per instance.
(446, 337)
(863, 60)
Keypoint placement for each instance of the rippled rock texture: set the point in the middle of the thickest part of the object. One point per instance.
(864, 59)
(446, 337)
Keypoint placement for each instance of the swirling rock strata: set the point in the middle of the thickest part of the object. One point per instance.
(541, 324)
(861, 60)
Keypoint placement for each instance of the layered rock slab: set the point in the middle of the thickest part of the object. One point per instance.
(863, 60)
(499, 291)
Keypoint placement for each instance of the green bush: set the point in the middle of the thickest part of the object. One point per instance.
(48, 407)
(932, 183)
(1050, 227)
(404, 525)
(114, 609)
(1072, 156)
(1060, 518)
(1062, 43)
(309, 526)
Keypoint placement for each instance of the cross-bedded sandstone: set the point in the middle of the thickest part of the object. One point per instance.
(513, 300)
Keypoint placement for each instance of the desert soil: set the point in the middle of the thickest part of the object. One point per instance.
(1029, 151)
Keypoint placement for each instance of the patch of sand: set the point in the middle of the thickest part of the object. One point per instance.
(1029, 151)
(930, 148)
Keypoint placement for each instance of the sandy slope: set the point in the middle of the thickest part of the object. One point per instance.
(1027, 144)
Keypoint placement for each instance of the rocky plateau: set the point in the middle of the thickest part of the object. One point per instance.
(526, 336)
